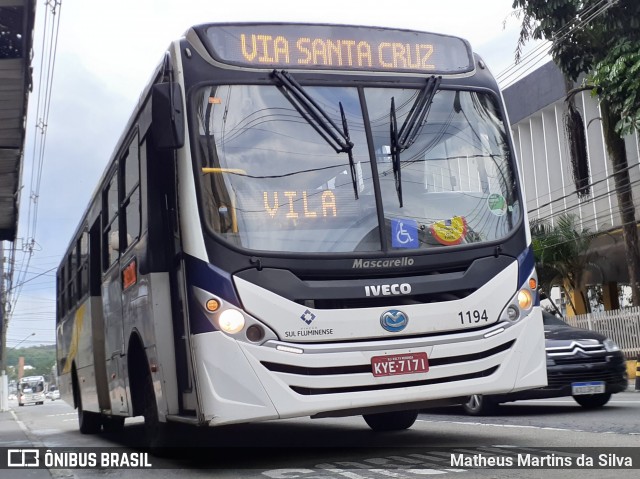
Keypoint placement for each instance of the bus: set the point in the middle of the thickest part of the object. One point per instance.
(31, 390)
(302, 220)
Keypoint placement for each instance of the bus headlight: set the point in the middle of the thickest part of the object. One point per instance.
(231, 321)
(512, 313)
(525, 300)
(522, 302)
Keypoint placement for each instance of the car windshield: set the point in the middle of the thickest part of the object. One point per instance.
(271, 181)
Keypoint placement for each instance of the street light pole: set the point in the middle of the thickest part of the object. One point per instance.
(3, 314)
(4, 381)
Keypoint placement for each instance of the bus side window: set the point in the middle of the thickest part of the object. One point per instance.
(111, 228)
(131, 195)
(83, 268)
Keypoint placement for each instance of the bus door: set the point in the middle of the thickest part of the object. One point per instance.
(134, 296)
(97, 318)
(115, 348)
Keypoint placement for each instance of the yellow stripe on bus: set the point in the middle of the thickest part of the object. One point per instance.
(78, 321)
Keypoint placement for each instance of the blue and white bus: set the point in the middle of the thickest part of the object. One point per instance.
(302, 220)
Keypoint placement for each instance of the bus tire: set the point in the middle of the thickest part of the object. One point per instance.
(113, 424)
(88, 422)
(391, 421)
(155, 431)
(593, 401)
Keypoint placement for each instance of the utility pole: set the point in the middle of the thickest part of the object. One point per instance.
(4, 380)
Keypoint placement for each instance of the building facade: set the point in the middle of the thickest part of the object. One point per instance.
(557, 181)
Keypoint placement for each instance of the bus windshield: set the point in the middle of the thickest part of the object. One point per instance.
(271, 181)
(32, 386)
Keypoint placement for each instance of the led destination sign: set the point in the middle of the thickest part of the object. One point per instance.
(285, 209)
(337, 47)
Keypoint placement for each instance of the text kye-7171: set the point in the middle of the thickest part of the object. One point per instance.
(302, 220)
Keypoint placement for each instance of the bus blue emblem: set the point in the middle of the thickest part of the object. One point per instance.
(394, 320)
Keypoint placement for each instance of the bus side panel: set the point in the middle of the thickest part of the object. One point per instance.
(147, 312)
(76, 348)
(531, 369)
(114, 340)
(160, 302)
(63, 342)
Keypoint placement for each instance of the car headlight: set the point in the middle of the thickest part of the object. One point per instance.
(610, 345)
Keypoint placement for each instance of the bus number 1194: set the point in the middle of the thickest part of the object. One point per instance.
(475, 316)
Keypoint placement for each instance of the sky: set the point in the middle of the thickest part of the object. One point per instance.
(106, 52)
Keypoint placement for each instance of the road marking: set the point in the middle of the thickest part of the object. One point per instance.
(513, 426)
(566, 401)
(517, 426)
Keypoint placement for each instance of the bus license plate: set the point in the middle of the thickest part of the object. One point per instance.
(592, 387)
(399, 364)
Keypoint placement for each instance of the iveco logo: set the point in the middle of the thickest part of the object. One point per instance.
(387, 289)
(394, 320)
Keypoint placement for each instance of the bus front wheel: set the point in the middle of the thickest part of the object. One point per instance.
(90, 422)
(155, 431)
(391, 421)
(113, 424)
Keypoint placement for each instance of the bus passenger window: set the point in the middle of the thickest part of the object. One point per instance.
(111, 229)
(131, 201)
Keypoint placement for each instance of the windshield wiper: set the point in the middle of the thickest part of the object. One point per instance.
(313, 113)
(411, 128)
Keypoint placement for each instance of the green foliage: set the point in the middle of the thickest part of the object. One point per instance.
(561, 252)
(619, 75)
(42, 358)
(592, 37)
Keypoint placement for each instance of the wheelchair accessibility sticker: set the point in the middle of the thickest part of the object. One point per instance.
(404, 233)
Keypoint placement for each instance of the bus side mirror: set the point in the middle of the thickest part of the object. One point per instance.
(167, 115)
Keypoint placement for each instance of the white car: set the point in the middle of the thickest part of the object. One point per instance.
(55, 395)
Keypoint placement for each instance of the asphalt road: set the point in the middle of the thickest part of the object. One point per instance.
(443, 441)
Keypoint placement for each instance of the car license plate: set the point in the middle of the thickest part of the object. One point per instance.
(593, 387)
(399, 364)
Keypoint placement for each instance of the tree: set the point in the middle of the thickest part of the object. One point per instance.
(42, 358)
(562, 256)
(599, 38)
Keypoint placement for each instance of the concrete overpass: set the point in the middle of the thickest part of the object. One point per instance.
(16, 50)
(17, 19)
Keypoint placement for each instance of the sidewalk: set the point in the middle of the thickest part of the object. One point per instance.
(13, 436)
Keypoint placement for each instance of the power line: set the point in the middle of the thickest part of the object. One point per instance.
(43, 104)
(539, 53)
